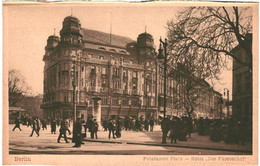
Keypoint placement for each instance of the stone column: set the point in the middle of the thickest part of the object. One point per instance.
(96, 111)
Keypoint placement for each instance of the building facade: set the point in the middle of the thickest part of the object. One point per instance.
(242, 85)
(125, 74)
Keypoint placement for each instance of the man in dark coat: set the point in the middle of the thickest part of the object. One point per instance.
(77, 133)
(151, 122)
(146, 125)
(44, 126)
(111, 128)
(34, 128)
(118, 128)
(17, 124)
(53, 127)
(94, 129)
(126, 122)
(38, 124)
(63, 130)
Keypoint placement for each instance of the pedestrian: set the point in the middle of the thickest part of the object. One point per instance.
(17, 124)
(146, 125)
(94, 129)
(151, 123)
(118, 128)
(53, 126)
(34, 128)
(38, 124)
(126, 123)
(104, 124)
(63, 130)
(137, 125)
(174, 130)
(44, 126)
(77, 133)
(111, 128)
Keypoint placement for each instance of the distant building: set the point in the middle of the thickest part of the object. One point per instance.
(242, 85)
(124, 73)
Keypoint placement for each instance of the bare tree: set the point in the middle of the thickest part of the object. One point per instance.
(208, 33)
(16, 86)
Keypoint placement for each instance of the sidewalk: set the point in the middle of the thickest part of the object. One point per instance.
(154, 139)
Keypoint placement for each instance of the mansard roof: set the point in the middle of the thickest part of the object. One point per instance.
(103, 38)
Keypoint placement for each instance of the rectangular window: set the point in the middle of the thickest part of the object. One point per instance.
(134, 86)
(104, 100)
(114, 101)
(104, 83)
(93, 70)
(124, 73)
(101, 57)
(92, 83)
(104, 70)
(115, 71)
(134, 74)
(116, 84)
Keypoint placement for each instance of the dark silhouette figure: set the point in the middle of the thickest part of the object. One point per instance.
(77, 133)
(151, 122)
(63, 130)
(111, 128)
(53, 127)
(17, 124)
(34, 128)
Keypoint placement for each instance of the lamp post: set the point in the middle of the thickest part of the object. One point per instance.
(74, 92)
(74, 85)
(227, 103)
(160, 56)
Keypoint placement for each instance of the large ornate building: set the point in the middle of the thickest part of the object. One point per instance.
(125, 74)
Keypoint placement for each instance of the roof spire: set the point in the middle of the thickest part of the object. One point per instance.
(145, 29)
(71, 10)
(54, 31)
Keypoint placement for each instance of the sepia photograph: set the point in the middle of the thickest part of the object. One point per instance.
(130, 83)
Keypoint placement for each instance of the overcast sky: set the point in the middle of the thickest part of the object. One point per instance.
(27, 27)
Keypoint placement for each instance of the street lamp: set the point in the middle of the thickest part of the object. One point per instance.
(227, 103)
(160, 56)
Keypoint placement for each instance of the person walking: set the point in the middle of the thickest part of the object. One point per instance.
(38, 124)
(53, 127)
(34, 128)
(77, 133)
(118, 128)
(17, 124)
(94, 129)
(151, 123)
(63, 130)
(111, 128)
(44, 126)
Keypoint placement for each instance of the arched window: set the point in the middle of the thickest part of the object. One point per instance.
(112, 50)
(102, 48)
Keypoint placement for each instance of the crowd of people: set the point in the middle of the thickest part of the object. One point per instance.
(175, 128)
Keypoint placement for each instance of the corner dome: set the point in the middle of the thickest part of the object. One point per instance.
(71, 25)
(145, 40)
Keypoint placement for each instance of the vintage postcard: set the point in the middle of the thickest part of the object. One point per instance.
(153, 83)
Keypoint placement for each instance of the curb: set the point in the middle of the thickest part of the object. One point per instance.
(167, 145)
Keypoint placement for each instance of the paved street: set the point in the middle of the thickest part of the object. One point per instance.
(131, 143)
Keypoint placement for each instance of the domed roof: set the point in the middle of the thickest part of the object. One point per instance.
(71, 24)
(145, 39)
(53, 37)
(71, 19)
